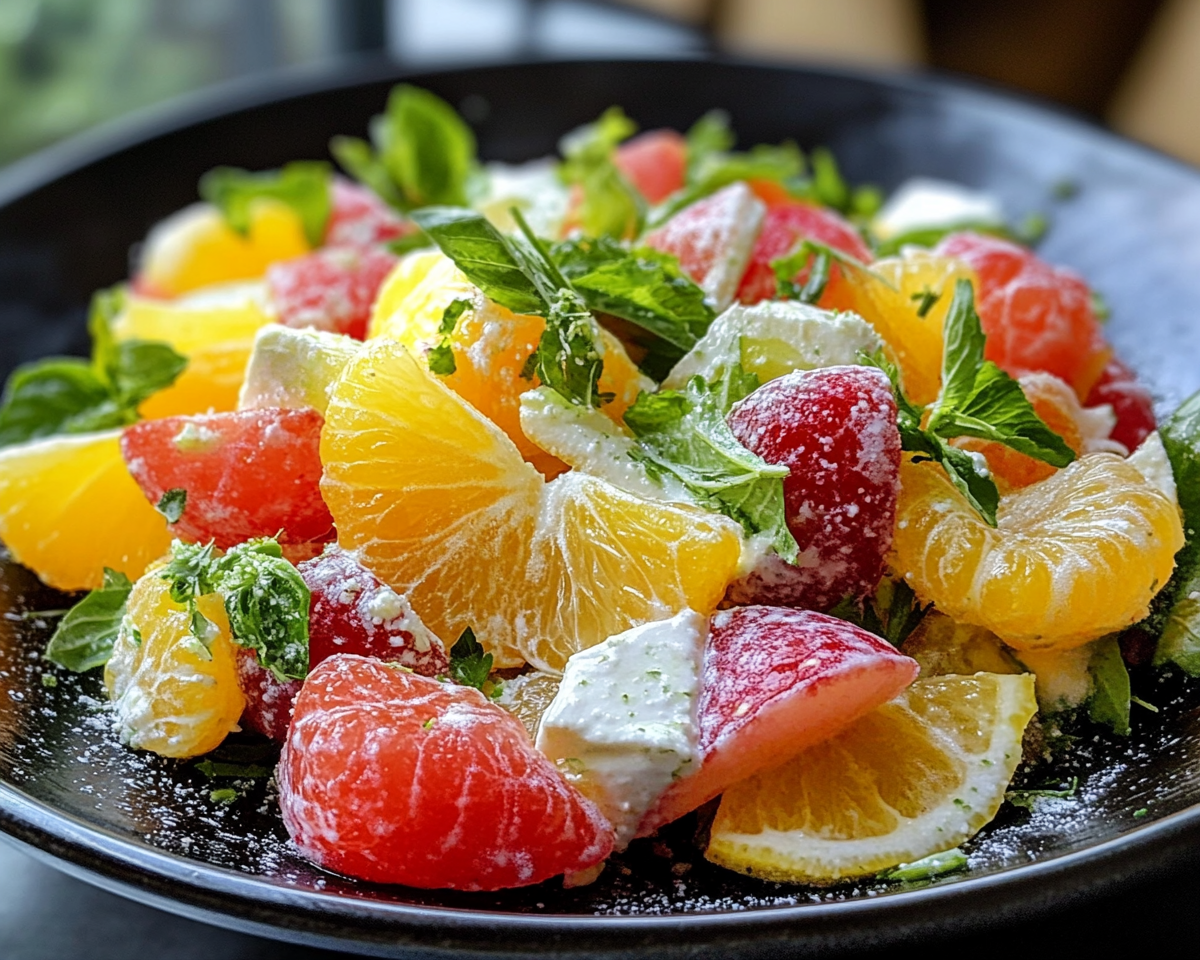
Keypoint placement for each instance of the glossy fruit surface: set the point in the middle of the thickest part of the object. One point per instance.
(331, 289)
(395, 778)
(172, 694)
(1072, 558)
(1131, 401)
(1036, 316)
(268, 700)
(69, 508)
(252, 473)
(774, 682)
(835, 428)
(913, 777)
(786, 224)
(654, 162)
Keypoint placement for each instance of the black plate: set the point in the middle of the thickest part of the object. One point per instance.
(147, 828)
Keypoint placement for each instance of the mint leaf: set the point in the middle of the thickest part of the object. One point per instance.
(1025, 799)
(608, 205)
(303, 185)
(189, 571)
(709, 136)
(828, 185)
(441, 357)
(979, 489)
(246, 771)
(964, 339)
(484, 254)
(685, 434)
(643, 286)
(893, 613)
(85, 635)
(934, 865)
(567, 359)
(713, 170)
(172, 504)
(469, 665)
(421, 152)
(1110, 699)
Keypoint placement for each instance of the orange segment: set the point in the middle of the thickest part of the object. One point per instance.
(214, 329)
(915, 341)
(439, 503)
(195, 247)
(69, 508)
(1073, 557)
(171, 695)
(490, 346)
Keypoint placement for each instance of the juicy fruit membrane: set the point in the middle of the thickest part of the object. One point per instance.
(214, 328)
(294, 368)
(943, 646)
(526, 697)
(774, 682)
(1036, 317)
(69, 508)
(772, 339)
(331, 289)
(253, 473)
(713, 239)
(396, 778)
(170, 695)
(914, 777)
(440, 506)
(885, 298)
(786, 223)
(490, 345)
(835, 429)
(196, 248)
(1072, 558)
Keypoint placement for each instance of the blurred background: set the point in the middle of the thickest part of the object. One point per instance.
(66, 65)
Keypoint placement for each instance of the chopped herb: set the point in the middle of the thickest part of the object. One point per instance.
(1138, 814)
(1143, 704)
(428, 724)
(246, 771)
(304, 186)
(49, 680)
(1100, 307)
(710, 136)
(925, 301)
(441, 357)
(469, 665)
(224, 795)
(935, 865)
(818, 259)
(172, 504)
(567, 358)
(1025, 799)
(893, 613)
(85, 635)
(608, 205)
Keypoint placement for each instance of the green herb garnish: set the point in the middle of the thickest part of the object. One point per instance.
(303, 185)
(85, 635)
(469, 665)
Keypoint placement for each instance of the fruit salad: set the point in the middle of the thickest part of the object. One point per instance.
(530, 509)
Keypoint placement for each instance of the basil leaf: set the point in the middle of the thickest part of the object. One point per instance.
(46, 397)
(566, 358)
(303, 185)
(469, 665)
(268, 606)
(85, 635)
(685, 434)
(1110, 700)
(484, 254)
(421, 152)
(709, 136)
(608, 205)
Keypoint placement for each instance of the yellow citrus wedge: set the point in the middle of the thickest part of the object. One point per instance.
(914, 777)
(490, 345)
(173, 695)
(1073, 557)
(214, 329)
(69, 508)
(438, 502)
(196, 248)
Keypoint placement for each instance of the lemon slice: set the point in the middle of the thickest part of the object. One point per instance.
(916, 776)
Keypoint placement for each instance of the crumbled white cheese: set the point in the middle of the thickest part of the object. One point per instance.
(923, 204)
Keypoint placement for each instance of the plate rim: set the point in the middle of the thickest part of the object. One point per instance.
(103, 858)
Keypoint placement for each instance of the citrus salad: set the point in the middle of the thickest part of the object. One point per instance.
(532, 508)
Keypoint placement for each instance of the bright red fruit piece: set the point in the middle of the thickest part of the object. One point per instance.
(268, 700)
(785, 225)
(835, 428)
(330, 289)
(1036, 316)
(396, 778)
(655, 162)
(253, 473)
(1131, 402)
(712, 239)
(353, 611)
(359, 218)
(775, 682)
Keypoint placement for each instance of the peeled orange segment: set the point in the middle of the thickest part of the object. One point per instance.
(886, 301)
(916, 776)
(432, 494)
(943, 646)
(1072, 558)
(490, 345)
(214, 329)
(195, 247)
(69, 508)
(172, 695)
(603, 560)
(526, 697)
